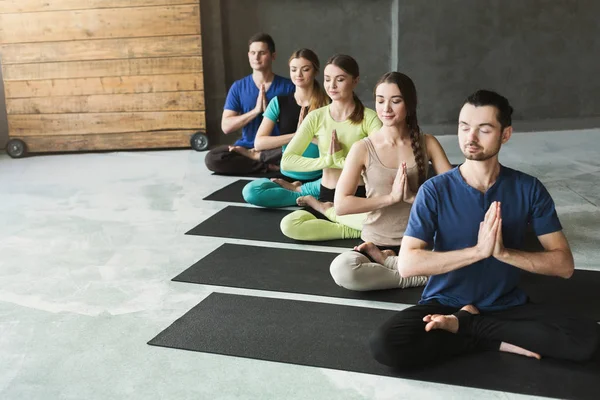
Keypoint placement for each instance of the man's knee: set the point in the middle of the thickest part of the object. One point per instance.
(345, 268)
(388, 350)
(215, 160)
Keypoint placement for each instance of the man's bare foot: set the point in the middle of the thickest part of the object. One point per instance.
(446, 322)
(250, 153)
(511, 348)
(373, 251)
(314, 204)
(291, 186)
(273, 167)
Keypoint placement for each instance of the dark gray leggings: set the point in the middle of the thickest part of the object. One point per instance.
(403, 343)
(223, 161)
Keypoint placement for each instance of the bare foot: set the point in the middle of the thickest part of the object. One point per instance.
(511, 348)
(388, 253)
(314, 203)
(373, 251)
(292, 187)
(273, 167)
(446, 322)
(438, 321)
(250, 153)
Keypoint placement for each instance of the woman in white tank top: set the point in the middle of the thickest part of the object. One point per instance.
(393, 162)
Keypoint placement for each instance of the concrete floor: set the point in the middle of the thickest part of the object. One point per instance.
(89, 243)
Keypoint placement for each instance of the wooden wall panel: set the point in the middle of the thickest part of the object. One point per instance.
(86, 69)
(104, 85)
(134, 140)
(22, 6)
(102, 74)
(99, 24)
(168, 101)
(93, 123)
(103, 49)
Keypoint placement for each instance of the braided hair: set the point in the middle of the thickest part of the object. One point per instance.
(409, 94)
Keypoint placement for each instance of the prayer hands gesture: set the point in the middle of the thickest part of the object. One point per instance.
(400, 188)
(335, 145)
(489, 239)
(261, 100)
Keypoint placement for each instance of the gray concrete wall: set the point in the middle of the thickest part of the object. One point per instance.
(541, 54)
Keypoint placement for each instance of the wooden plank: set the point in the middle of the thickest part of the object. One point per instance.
(94, 123)
(104, 85)
(87, 69)
(119, 141)
(99, 24)
(21, 6)
(103, 49)
(167, 101)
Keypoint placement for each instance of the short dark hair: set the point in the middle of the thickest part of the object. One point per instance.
(265, 38)
(488, 98)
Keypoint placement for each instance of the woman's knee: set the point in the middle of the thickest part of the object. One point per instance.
(291, 224)
(345, 269)
(251, 192)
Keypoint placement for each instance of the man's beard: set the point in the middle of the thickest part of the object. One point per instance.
(480, 156)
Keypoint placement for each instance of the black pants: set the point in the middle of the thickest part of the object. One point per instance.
(327, 195)
(403, 343)
(223, 161)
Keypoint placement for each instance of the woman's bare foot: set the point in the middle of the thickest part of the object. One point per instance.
(314, 204)
(373, 251)
(388, 253)
(291, 186)
(446, 322)
(511, 348)
(250, 153)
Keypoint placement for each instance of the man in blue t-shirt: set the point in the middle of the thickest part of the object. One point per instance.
(246, 101)
(476, 216)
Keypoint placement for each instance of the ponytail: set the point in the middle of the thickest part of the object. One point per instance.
(358, 114)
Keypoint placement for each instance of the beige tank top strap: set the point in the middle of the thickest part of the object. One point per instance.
(372, 154)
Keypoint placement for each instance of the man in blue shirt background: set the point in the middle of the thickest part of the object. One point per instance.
(476, 216)
(246, 101)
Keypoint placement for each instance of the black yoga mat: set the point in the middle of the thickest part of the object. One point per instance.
(252, 223)
(281, 270)
(270, 174)
(231, 193)
(335, 336)
(307, 272)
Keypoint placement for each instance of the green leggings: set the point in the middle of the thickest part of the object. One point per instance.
(302, 225)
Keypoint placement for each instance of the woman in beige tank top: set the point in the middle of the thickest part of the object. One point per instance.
(393, 163)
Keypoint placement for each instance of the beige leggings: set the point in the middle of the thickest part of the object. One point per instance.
(354, 271)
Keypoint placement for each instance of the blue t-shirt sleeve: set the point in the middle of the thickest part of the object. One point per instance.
(272, 111)
(232, 102)
(422, 223)
(543, 215)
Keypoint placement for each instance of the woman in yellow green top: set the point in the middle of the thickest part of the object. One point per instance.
(336, 128)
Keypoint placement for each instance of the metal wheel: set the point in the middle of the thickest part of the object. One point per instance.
(16, 148)
(199, 141)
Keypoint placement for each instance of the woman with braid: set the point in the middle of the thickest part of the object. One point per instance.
(287, 112)
(393, 163)
(336, 128)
